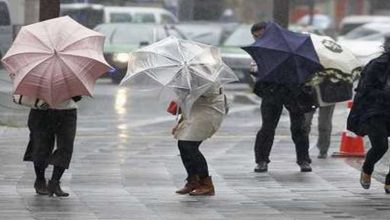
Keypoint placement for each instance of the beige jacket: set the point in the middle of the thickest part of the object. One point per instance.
(205, 118)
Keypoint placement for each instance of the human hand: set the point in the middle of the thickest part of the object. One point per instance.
(174, 129)
(44, 106)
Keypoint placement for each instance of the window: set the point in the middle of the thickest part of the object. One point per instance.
(4, 14)
(120, 17)
(144, 18)
(167, 19)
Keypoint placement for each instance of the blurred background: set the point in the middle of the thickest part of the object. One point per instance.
(360, 25)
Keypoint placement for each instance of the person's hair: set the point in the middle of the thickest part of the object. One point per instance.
(258, 26)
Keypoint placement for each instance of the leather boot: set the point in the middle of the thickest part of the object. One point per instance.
(206, 188)
(192, 183)
(41, 187)
(55, 188)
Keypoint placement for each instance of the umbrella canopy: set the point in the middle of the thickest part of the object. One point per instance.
(283, 56)
(180, 68)
(55, 60)
(339, 63)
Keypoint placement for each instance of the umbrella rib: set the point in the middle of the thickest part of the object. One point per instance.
(151, 68)
(37, 38)
(88, 58)
(152, 52)
(77, 76)
(28, 53)
(41, 78)
(73, 42)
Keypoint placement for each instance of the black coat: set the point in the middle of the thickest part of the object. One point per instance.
(372, 96)
(296, 98)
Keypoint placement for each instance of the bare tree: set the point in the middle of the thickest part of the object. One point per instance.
(49, 9)
(281, 12)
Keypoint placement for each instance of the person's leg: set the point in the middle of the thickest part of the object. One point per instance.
(193, 160)
(188, 151)
(301, 140)
(377, 133)
(39, 147)
(65, 129)
(66, 121)
(271, 109)
(324, 130)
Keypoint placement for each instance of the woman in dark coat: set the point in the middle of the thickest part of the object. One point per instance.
(370, 114)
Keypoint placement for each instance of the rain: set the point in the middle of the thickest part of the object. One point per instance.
(194, 109)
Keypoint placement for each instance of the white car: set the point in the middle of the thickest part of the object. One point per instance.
(115, 14)
(5, 27)
(349, 23)
(366, 42)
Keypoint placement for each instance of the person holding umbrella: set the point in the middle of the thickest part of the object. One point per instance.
(53, 63)
(205, 119)
(280, 55)
(192, 74)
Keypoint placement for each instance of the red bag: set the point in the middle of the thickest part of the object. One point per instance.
(172, 108)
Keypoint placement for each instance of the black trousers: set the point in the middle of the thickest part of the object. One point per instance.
(378, 132)
(47, 128)
(271, 110)
(193, 160)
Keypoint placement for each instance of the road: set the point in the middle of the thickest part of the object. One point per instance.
(126, 166)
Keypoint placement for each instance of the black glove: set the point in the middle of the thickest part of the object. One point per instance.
(77, 98)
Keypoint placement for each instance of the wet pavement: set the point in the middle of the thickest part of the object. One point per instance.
(126, 166)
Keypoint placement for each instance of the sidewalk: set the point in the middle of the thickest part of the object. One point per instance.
(133, 175)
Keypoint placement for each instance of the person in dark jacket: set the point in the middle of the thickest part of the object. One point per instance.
(49, 127)
(370, 113)
(274, 98)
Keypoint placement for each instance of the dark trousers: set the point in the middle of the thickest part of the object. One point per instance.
(48, 127)
(271, 110)
(378, 130)
(193, 160)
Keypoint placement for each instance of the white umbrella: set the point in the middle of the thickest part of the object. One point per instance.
(182, 69)
(339, 63)
(341, 68)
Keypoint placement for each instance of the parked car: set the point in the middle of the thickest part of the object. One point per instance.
(115, 14)
(366, 42)
(321, 24)
(349, 23)
(206, 32)
(123, 38)
(5, 28)
(236, 58)
(86, 14)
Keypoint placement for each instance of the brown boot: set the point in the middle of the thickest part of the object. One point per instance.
(206, 188)
(192, 183)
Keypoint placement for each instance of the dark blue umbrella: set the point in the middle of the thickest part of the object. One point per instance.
(283, 56)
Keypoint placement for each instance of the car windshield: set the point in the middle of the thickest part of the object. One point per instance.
(361, 32)
(240, 37)
(120, 17)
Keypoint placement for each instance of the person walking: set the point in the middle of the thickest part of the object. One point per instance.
(204, 120)
(49, 127)
(325, 115)
(274, 98)
(370, 113)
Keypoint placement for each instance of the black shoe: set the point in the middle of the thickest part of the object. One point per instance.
(41, 187)
(387, 184)
(55, 188)
(305, 166)
(322, 155)
(365, 180)
(261, 167)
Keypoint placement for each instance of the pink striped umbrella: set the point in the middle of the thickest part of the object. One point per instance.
(55, 60)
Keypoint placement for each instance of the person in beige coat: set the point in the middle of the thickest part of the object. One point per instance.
(204, 120)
